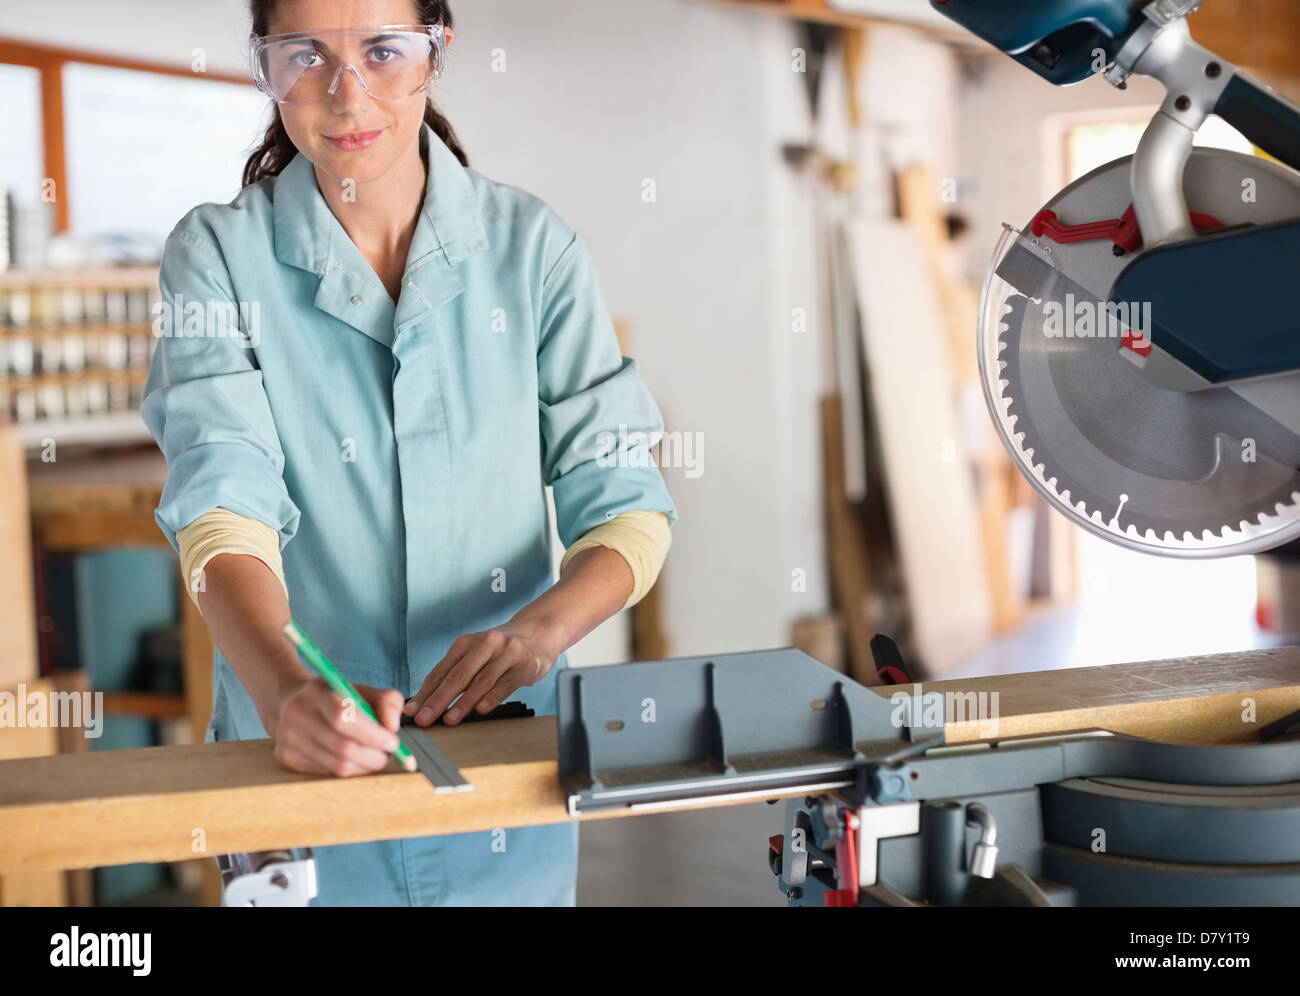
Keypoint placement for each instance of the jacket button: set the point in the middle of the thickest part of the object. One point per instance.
(356, 298)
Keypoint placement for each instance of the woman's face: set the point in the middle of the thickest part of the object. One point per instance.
(350, 135)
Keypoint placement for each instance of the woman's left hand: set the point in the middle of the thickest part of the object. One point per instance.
(484, 669)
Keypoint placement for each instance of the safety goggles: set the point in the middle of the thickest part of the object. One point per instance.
(390, 61)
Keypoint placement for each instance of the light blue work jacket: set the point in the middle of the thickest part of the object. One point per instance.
(401, 451)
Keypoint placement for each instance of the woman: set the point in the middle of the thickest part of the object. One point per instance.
(419, 352)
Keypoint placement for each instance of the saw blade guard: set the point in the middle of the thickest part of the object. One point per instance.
(1005, 312)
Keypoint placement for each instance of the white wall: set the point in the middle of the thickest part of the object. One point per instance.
(597, 97)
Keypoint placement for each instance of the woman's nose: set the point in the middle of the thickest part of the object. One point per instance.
(346, 91)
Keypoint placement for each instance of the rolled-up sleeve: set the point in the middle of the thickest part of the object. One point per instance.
(598, 419)
(204, 400)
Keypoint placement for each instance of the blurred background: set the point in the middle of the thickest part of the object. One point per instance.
(791, 206)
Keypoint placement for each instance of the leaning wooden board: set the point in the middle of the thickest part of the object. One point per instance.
(172, 803)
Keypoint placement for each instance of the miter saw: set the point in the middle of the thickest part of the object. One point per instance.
(1142, 364)
(1138, 340)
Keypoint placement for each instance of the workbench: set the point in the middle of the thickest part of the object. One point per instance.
(107, 501)
(178, 803)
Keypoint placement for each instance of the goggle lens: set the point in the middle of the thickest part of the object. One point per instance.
(307, 67)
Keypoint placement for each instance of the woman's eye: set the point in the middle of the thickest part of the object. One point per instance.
(383, 55)
(306, 59)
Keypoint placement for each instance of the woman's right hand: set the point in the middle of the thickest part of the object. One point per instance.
(245, 608)
(315, 731)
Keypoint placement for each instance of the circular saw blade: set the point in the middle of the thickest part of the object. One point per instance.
(1182, 473)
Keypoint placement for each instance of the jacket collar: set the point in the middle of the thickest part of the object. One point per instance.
(448, 231)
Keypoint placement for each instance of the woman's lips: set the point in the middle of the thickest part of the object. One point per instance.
(354, 140)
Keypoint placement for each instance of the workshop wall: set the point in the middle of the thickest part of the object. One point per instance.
(706, 276)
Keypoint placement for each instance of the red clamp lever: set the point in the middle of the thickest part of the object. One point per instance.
(1123, 231)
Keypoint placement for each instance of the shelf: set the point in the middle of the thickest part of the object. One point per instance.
(117, 427)
(89, 278)
(144, 705)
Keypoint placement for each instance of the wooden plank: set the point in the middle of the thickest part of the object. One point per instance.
(150, 804)
(1262, 36)
(36, 886)
(144, 705)
(846, 546)
(1185, 700)
(931, 491)
(196, 661)
(920, 205)
(21, 740)
(17, 595)
(822, 12)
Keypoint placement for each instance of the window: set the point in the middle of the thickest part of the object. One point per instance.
(22, 154)
(1095, 144)
(144, 148)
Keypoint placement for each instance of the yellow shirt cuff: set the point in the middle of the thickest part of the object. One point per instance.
(641, 538)
(222, 531)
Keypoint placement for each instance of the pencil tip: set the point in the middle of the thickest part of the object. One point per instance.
(409, 764)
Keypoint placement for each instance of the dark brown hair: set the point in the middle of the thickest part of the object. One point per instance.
(276, 150)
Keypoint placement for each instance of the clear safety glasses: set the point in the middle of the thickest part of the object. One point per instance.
(390, 61)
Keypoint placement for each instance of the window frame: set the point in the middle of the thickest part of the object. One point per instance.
(49, 62)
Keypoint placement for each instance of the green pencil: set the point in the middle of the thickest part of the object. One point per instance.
(319, 663)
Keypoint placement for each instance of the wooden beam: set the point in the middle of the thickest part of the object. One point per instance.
(155, 803)
(23, 53)
(821, 12)
(33, 886)
(1261, 36)
(196, 661)
(17, 594)
(53, 138)
(1184, 700)
(178, 803)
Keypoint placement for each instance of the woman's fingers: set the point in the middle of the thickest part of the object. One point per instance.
(342, 755)
(506, 685)
(297, 750)
(313, 764)
(487, 677)
(482, 650)
(455, 652)
(321, 733)
(524, 668)
(348, 719)
(387, 703)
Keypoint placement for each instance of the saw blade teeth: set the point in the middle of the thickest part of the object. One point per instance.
(1020, 432)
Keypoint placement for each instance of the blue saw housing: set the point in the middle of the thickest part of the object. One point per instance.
(1060, 40)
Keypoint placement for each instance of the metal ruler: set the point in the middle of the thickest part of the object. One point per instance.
(432, 762)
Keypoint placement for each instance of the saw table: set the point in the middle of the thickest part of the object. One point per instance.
(179, 803)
